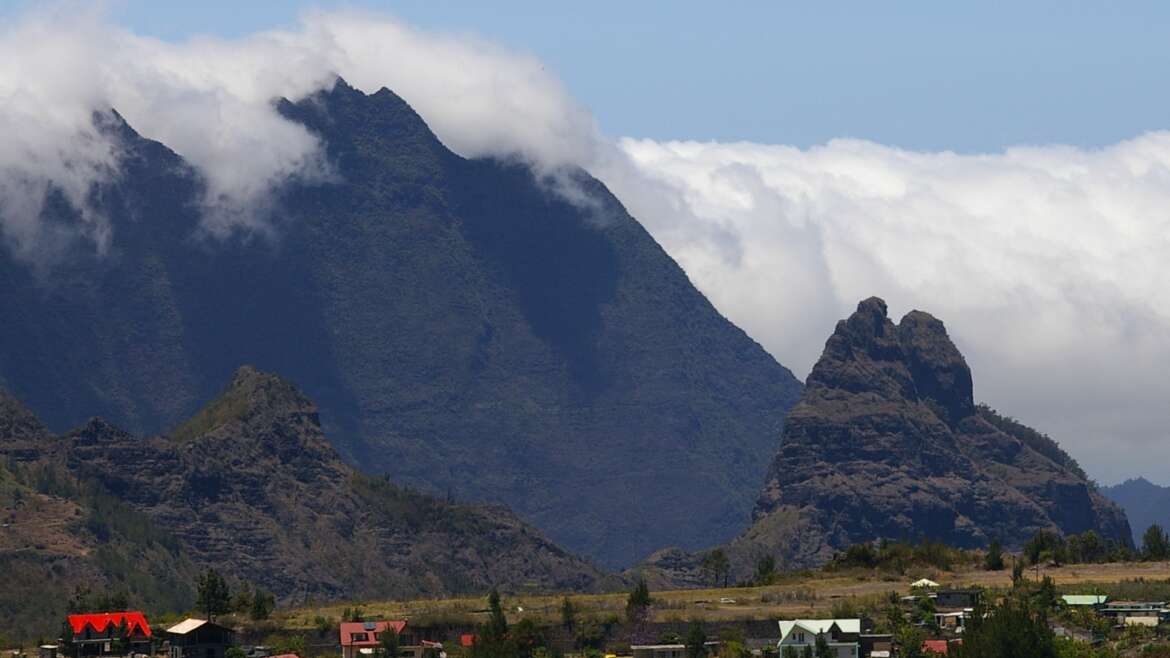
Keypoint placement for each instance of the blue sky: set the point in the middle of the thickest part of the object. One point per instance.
(920, 75)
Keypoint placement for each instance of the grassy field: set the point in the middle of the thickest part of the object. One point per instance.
(803, 595)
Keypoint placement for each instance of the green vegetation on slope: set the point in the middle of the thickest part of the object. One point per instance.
(1038, 441)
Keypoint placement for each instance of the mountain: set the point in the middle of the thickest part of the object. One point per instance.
(1144, 502)
(251, 487)
(465, 329)
(888, 442)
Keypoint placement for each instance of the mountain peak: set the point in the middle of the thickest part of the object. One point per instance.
(96, 431)
(914, 359)
(886, 442)
(16, 420)
(251, 396)
(937, 368)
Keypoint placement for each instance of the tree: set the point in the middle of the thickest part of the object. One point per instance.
(822, 649)
(993, 561)
(1045, 594)
(1017, 572)
(493, 639)
(1035, 547)
(696, 640)
(1014, 628)
(924, 611)
(806, 651)
(765, 570)
(790, 652)
(389, 643)
(121, 642)
(214, 597)
(909, 640)
(716, 564)
(568, 614)
(262, 605)
(497, 621)
(638, 602)
(526, 637)
(65, 646)
(1155, 545)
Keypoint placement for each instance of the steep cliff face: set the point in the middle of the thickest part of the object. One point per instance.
(887, 442)
(463, 327)
(251, 487)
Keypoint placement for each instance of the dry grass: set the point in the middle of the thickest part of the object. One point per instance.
(802, 594)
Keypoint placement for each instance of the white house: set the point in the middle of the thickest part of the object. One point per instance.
(842, 635)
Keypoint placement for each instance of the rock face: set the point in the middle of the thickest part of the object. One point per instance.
(251, 487)
(463, 328)
(887, 442)
(1144, 502)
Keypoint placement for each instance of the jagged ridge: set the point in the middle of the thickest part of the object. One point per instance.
(252, 487)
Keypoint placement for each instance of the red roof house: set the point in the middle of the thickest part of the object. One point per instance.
(101, 622)
(96, 631)
(940, 647)
(363, 638)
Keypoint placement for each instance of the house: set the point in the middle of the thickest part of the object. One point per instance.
(105, 633)
(1137, 613)
(842, 635)
(199, 638)
(364, 638)
(658, 650)
(953, 621)
(1078, 634)
(668, 650)
(940, 647)
(1095, 601)
(957, 598)
(875, 645)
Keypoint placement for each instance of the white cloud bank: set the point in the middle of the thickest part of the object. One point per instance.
(1048, 264)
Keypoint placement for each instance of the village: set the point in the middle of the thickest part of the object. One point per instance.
(926, 619)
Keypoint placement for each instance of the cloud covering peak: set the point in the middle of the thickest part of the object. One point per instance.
(213, 101)
(1046, 262)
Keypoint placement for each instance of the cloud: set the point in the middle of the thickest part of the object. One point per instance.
(211, 100)
(1047, 263)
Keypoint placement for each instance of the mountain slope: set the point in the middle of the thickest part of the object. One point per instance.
(464, 328)
(59, 532)
(1144, 502)
(887, 442)
(251, 487)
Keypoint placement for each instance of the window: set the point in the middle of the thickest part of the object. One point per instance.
(359, 637)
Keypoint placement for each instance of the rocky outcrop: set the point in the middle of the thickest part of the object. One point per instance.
(887, 442)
